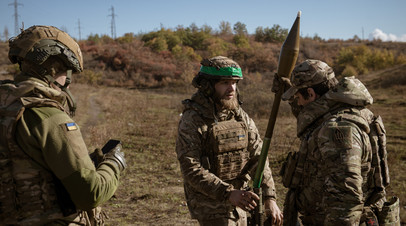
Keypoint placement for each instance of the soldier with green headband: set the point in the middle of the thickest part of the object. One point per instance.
(47, 176)
(218, 147)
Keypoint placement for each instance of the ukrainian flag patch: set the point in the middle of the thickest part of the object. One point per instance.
(71, 126)
(241, 137)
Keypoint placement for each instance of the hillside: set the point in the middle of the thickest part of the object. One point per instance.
(139, 62)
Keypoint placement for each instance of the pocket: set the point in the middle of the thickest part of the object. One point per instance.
(389, 215)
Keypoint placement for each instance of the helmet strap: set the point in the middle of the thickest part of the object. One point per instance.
(64, 88)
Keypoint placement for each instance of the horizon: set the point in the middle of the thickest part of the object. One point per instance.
(333, 20)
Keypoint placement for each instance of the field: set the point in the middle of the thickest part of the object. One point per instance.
(151, 190)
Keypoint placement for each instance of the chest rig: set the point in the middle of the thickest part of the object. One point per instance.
(226, 148)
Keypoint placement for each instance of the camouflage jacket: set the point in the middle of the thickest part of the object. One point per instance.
(335, 155)
(205, 192)
(48, 144)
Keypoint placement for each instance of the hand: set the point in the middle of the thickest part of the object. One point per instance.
(272, 210)
(243, 199)
(278, 81)
(116, 156)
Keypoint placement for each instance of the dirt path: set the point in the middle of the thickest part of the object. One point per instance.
(93, 114)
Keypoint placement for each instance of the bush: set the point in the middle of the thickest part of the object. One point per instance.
(89, 76)
(362, 59)
(274, 34)
(349, 71)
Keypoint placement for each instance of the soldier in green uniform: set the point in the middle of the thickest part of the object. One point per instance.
(218, 147)
(47, 176)
(334, 178)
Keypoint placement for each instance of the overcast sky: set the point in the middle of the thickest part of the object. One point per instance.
(328, 19)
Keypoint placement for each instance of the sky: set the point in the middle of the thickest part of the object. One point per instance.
(328, 19)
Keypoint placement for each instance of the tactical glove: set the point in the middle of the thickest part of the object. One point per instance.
(278, 81)
(116, 156)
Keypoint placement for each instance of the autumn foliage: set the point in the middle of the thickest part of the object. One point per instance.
(170, 57)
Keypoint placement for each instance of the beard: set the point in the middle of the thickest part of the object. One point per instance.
(230, 104)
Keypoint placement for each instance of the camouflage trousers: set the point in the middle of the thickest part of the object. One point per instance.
(94, 217)
(239, 219)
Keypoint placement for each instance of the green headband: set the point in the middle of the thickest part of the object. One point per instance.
(223, 71)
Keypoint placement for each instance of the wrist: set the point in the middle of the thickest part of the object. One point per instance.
(228, 192)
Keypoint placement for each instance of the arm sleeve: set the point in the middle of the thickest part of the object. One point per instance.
(255, 147)
(341, 145)
(54, 140)
(189, 150)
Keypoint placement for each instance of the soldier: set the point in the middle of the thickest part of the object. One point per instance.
(332, 179)
(47, 176)
(218, 147)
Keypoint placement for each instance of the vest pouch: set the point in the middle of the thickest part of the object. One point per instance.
(389, 215)
(229, 142)
(288, 169)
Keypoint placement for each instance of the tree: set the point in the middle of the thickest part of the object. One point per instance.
(240, 28)
(225, 28)
(207, 29)
(274, 34)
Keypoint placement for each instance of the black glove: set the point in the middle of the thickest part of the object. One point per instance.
(116, 156)
(278, 81)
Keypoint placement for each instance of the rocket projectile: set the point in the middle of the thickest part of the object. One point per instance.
(290, 49)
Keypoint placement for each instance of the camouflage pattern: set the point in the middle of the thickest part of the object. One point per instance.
(306, 74)
(28, 43)
(229, 142)
(335, 156)
(40, 141)
(206, 193)
(221, 62)
(201, 80)
(389, 216)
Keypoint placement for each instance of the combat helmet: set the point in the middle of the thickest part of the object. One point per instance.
(309, 73)
(37, 43)
(214, 69)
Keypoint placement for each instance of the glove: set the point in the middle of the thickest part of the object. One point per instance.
(278, 81)
(116, 156)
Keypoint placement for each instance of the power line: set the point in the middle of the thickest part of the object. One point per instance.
(16, 4)
(80, 35)
(113, 23)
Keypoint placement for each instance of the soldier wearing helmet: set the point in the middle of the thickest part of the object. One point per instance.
(47, 176)
(218, 146)
(330, 178)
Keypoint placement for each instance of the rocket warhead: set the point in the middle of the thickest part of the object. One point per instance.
(290, 49)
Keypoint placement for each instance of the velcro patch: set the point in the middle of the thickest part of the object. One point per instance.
(71, 126)
(241, 137)
(341, 136)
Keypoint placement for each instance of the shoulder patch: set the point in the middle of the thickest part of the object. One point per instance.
(71, 126)
(341, 136)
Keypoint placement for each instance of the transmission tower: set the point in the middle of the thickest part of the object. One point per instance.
(80, 36)
(113, 23)
(16, 4)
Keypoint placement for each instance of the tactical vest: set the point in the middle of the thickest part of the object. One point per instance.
(379, 164)
(27, 190)
(226, 148)
(294, 171)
